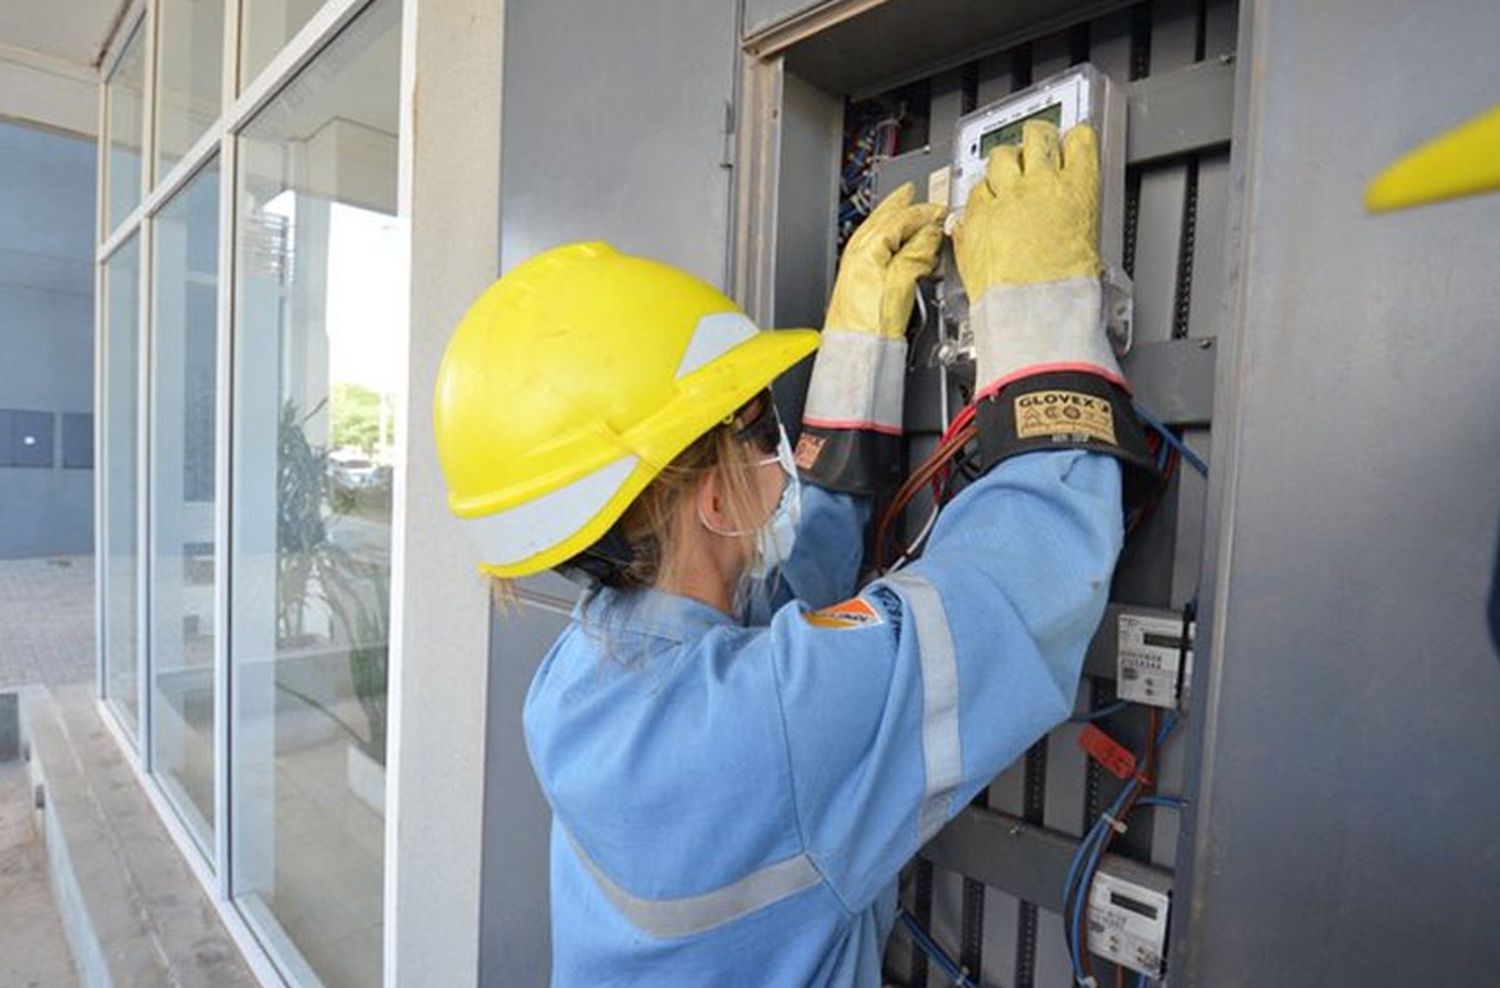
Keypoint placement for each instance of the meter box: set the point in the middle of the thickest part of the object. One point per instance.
(1154, 660)
(1128, 923)
(1082, 94)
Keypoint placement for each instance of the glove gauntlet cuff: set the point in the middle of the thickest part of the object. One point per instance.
(851, 424)
(1022, 329)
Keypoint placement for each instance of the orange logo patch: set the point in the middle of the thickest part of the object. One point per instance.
(855, 613)
(809, 448)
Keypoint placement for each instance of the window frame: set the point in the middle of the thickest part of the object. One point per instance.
(270, 961)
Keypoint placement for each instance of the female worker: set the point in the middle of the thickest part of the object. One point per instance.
(733, 799)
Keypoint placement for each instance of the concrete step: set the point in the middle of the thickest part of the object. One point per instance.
(132, 909)
(33, 949)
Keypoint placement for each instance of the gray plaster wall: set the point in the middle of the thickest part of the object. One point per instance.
(46, 330)
(635, 156)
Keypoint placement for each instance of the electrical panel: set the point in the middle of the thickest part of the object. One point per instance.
(1004, 916)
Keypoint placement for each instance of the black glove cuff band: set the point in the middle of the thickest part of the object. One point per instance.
(855, 461)
(1068, 410)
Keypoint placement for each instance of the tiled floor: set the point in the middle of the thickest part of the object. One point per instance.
(46, 621)
(327, 890)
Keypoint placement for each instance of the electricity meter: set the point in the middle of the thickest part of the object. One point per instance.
(1082, 94)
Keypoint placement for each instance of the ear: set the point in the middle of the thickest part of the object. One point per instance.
(711, 502)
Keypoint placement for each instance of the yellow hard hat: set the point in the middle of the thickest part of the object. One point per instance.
(572, 381)
(1463, 161)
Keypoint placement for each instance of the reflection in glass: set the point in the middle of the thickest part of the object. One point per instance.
(183, 354)
(189, 75)
(320, 304)
(265, 28)
(121, 456)
(124, 99)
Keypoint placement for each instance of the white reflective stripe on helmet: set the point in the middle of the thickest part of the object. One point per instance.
(691, 914)
(857, 382)
(518, 533)
(715, 335)
(942, 758)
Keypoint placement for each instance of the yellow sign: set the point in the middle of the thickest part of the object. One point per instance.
(1064, 413)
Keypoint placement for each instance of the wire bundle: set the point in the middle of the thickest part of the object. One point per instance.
(939, 956)
(875, 142)
(1096, 842)
(936, 470)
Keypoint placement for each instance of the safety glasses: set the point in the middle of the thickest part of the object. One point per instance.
(758, 426)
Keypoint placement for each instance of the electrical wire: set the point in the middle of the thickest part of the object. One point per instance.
(959, 436)
(1167, 434)
(930, 947)
(1101, 713)
(1091, 849)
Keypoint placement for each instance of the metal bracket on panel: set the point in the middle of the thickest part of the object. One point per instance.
(1178, 112)
(1174, 378)
(1024, 860)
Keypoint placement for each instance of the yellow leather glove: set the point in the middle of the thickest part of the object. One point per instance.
(1027, 249)
(852, 419)
(877, 283)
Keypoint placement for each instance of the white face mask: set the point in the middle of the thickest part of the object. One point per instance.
(776, 536)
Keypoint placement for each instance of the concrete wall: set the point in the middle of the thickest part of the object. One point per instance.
(46, 331)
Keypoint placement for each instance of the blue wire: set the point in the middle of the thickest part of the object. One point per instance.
(1169, 436)
(1101, 713)
(1091, 850)
(1175, 802)
(930, 947)
(1141, 980)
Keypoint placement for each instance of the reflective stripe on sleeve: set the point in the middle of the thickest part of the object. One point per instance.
(692, 914)
(941, 752)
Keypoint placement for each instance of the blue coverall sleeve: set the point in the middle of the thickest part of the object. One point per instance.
(824, 564)
(900, 705)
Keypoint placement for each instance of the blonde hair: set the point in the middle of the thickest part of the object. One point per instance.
(652, 525)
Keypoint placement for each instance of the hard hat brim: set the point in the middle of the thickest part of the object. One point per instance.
(704, 398)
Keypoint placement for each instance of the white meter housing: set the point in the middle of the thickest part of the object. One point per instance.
(1128, 924)
(1082, 94)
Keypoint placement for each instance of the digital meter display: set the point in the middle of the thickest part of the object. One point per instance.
(1011, 133)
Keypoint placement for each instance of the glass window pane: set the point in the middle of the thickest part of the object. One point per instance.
(184, 555)
(189, 75)
(126, 124)
(121, 452)
(320, 312)
(265, 28)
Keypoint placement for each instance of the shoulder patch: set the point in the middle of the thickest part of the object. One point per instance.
(853, 613)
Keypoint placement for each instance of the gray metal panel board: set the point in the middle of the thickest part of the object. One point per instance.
(514, 914)
(1351, 688)
(1174, 25)
(1181, 111)
(635, 158)
(1174, 378)
(1026, 861)
(901, 40)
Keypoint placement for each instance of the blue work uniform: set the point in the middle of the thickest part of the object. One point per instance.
(732, 805)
